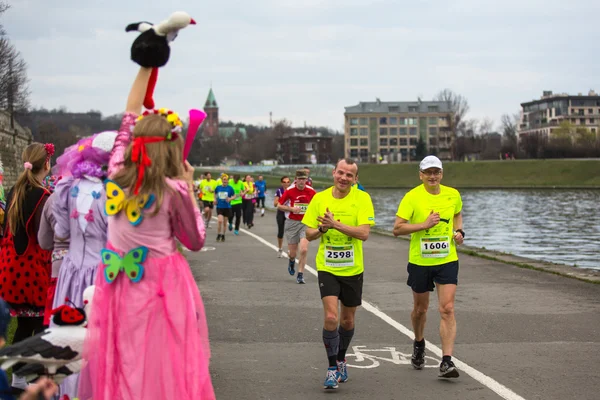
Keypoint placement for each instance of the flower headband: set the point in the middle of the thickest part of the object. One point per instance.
(172, 118)
(49, 147)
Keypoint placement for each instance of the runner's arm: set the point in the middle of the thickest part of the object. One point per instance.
(312, 234)
(458, 221)
(402, 227)
(360, 232)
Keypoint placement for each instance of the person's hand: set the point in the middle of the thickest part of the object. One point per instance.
(432, 220)
(297, 210)
(458, 238)
(44, 388)
(327, 221)
(188, 174)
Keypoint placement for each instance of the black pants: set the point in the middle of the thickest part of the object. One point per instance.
(280, 224)
(27, 327)
(236, 210)
(248, 206)
(259, 201)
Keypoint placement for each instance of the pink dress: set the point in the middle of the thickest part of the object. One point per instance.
(149, 339)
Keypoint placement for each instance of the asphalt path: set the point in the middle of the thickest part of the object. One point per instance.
(522, 334)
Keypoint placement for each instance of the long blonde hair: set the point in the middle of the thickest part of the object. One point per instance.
(36, 155)
(166, 157)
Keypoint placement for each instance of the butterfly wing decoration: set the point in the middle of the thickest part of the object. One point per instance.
(132, 263)
(112, 263)
(115, 198)
(134, 208)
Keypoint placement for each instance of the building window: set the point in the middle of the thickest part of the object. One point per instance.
(393, 121)
(403, 142)
(580, 111)
(432, 141)
(582, 121)
(309, 146)
(364, 132)
(393, 108)
(383, 121)
(364, 153)
(402, 121)
(393, 131)
(413, 141)
(353, 142)
(412, 108)
(383, 142)
(364, 142)
(433, 130)
(353, 131)
(593, 130)
(411, 121)
(383, 152)
(363, 121)
(432, 108)
(590, 111)
(433, 120)
(353, 121)
(404, 153)
(394, 142)
(413, 131)
(403, 131)
(354, 153)
(592, 121)
(383, 131)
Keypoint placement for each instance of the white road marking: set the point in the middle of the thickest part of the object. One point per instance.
(485, 380)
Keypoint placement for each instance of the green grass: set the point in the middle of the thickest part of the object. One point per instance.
(561, 173)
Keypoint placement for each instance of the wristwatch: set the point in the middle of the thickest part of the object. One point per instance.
(321, 229)
(461, 232)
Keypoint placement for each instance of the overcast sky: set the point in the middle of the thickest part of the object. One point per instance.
(305, 60)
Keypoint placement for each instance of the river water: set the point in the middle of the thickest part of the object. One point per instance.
(561, 226)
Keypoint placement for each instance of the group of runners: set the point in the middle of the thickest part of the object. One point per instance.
(340, 218)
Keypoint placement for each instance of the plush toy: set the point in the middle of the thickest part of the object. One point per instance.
(151, 48)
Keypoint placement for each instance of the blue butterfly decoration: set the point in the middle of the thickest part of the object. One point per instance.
(96, 195)
(74, 191)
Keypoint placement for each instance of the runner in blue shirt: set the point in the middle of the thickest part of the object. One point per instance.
(223, 194)
(261, 187)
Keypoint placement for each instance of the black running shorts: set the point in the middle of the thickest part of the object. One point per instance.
(224, 212)
(208, 204)
(423, 279)
(346, 288)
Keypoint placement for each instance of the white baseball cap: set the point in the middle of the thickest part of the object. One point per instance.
(430, 162)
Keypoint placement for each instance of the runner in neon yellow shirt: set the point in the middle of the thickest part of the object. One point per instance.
(207, 188)
(236, 204)
(340, 217)
(431, 212)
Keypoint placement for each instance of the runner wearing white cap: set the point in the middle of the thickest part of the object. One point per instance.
(431, 214)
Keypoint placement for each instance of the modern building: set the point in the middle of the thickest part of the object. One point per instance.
(304, 148)
(545, 115)
(389, 131)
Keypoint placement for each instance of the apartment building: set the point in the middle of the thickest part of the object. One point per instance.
(304, 148)
(543, 116)
(388, 132)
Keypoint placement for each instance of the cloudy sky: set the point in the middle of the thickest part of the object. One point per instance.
(305, 60)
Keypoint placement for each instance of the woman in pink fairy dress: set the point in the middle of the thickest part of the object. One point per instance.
(148, 337)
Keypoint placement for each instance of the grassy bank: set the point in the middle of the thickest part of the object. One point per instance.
(491, 174)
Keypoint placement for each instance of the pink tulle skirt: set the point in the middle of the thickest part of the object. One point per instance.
(147, 340)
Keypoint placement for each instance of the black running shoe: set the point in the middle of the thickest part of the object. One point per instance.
(418, 358)
(218, 238)
(222, 238)
(448, 370)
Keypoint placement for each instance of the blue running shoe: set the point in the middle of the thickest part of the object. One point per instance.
(300, 278)
(236, 232)
(230, 227)
(291, 265)
(342, 371)
(331, 379)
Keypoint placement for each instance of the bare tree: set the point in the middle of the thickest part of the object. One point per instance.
(3, 7)
(459, 107)
(509, 126)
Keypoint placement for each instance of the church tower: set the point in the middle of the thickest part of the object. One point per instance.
(211, 126)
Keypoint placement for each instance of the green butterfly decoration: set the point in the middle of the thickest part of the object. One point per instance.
(131, 264)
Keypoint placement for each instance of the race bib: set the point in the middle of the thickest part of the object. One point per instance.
(339, 256)
(302, 206)
(222, 195)
(435, 247)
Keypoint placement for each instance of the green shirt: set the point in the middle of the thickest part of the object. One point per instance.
(434, 246)
(340, 254)
(237, 189)
(207, 187)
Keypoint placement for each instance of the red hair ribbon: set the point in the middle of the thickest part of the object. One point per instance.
(139, 156)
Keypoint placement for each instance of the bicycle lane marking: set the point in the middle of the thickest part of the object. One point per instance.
(361, 353)
(480, 377)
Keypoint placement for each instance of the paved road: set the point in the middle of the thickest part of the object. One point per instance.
(522, 334)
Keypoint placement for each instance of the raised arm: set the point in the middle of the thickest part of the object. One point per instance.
(133, 108)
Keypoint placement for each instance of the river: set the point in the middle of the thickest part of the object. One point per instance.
(561, 226)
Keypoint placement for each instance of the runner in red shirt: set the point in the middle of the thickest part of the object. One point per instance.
(299, 197)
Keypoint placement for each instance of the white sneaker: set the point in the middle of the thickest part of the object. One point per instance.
(279, 253)
(19, 382)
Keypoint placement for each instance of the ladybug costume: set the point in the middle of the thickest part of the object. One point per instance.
(24, 265)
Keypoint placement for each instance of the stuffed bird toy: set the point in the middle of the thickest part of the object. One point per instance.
(56, 351)
(151, 48)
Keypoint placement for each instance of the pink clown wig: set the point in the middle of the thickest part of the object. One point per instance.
(85, 158)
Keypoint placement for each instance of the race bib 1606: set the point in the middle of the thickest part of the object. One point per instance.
(435, 247)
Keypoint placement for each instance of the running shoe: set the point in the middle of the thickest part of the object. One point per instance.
(218, 238)
(418, 357)
(279, 253)
(291, 265)
(448, 370)
(342, 371)
(300, 278)
(331, 379)
(236, 232)
(262, 213)
(230, 227)
(222, 238)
